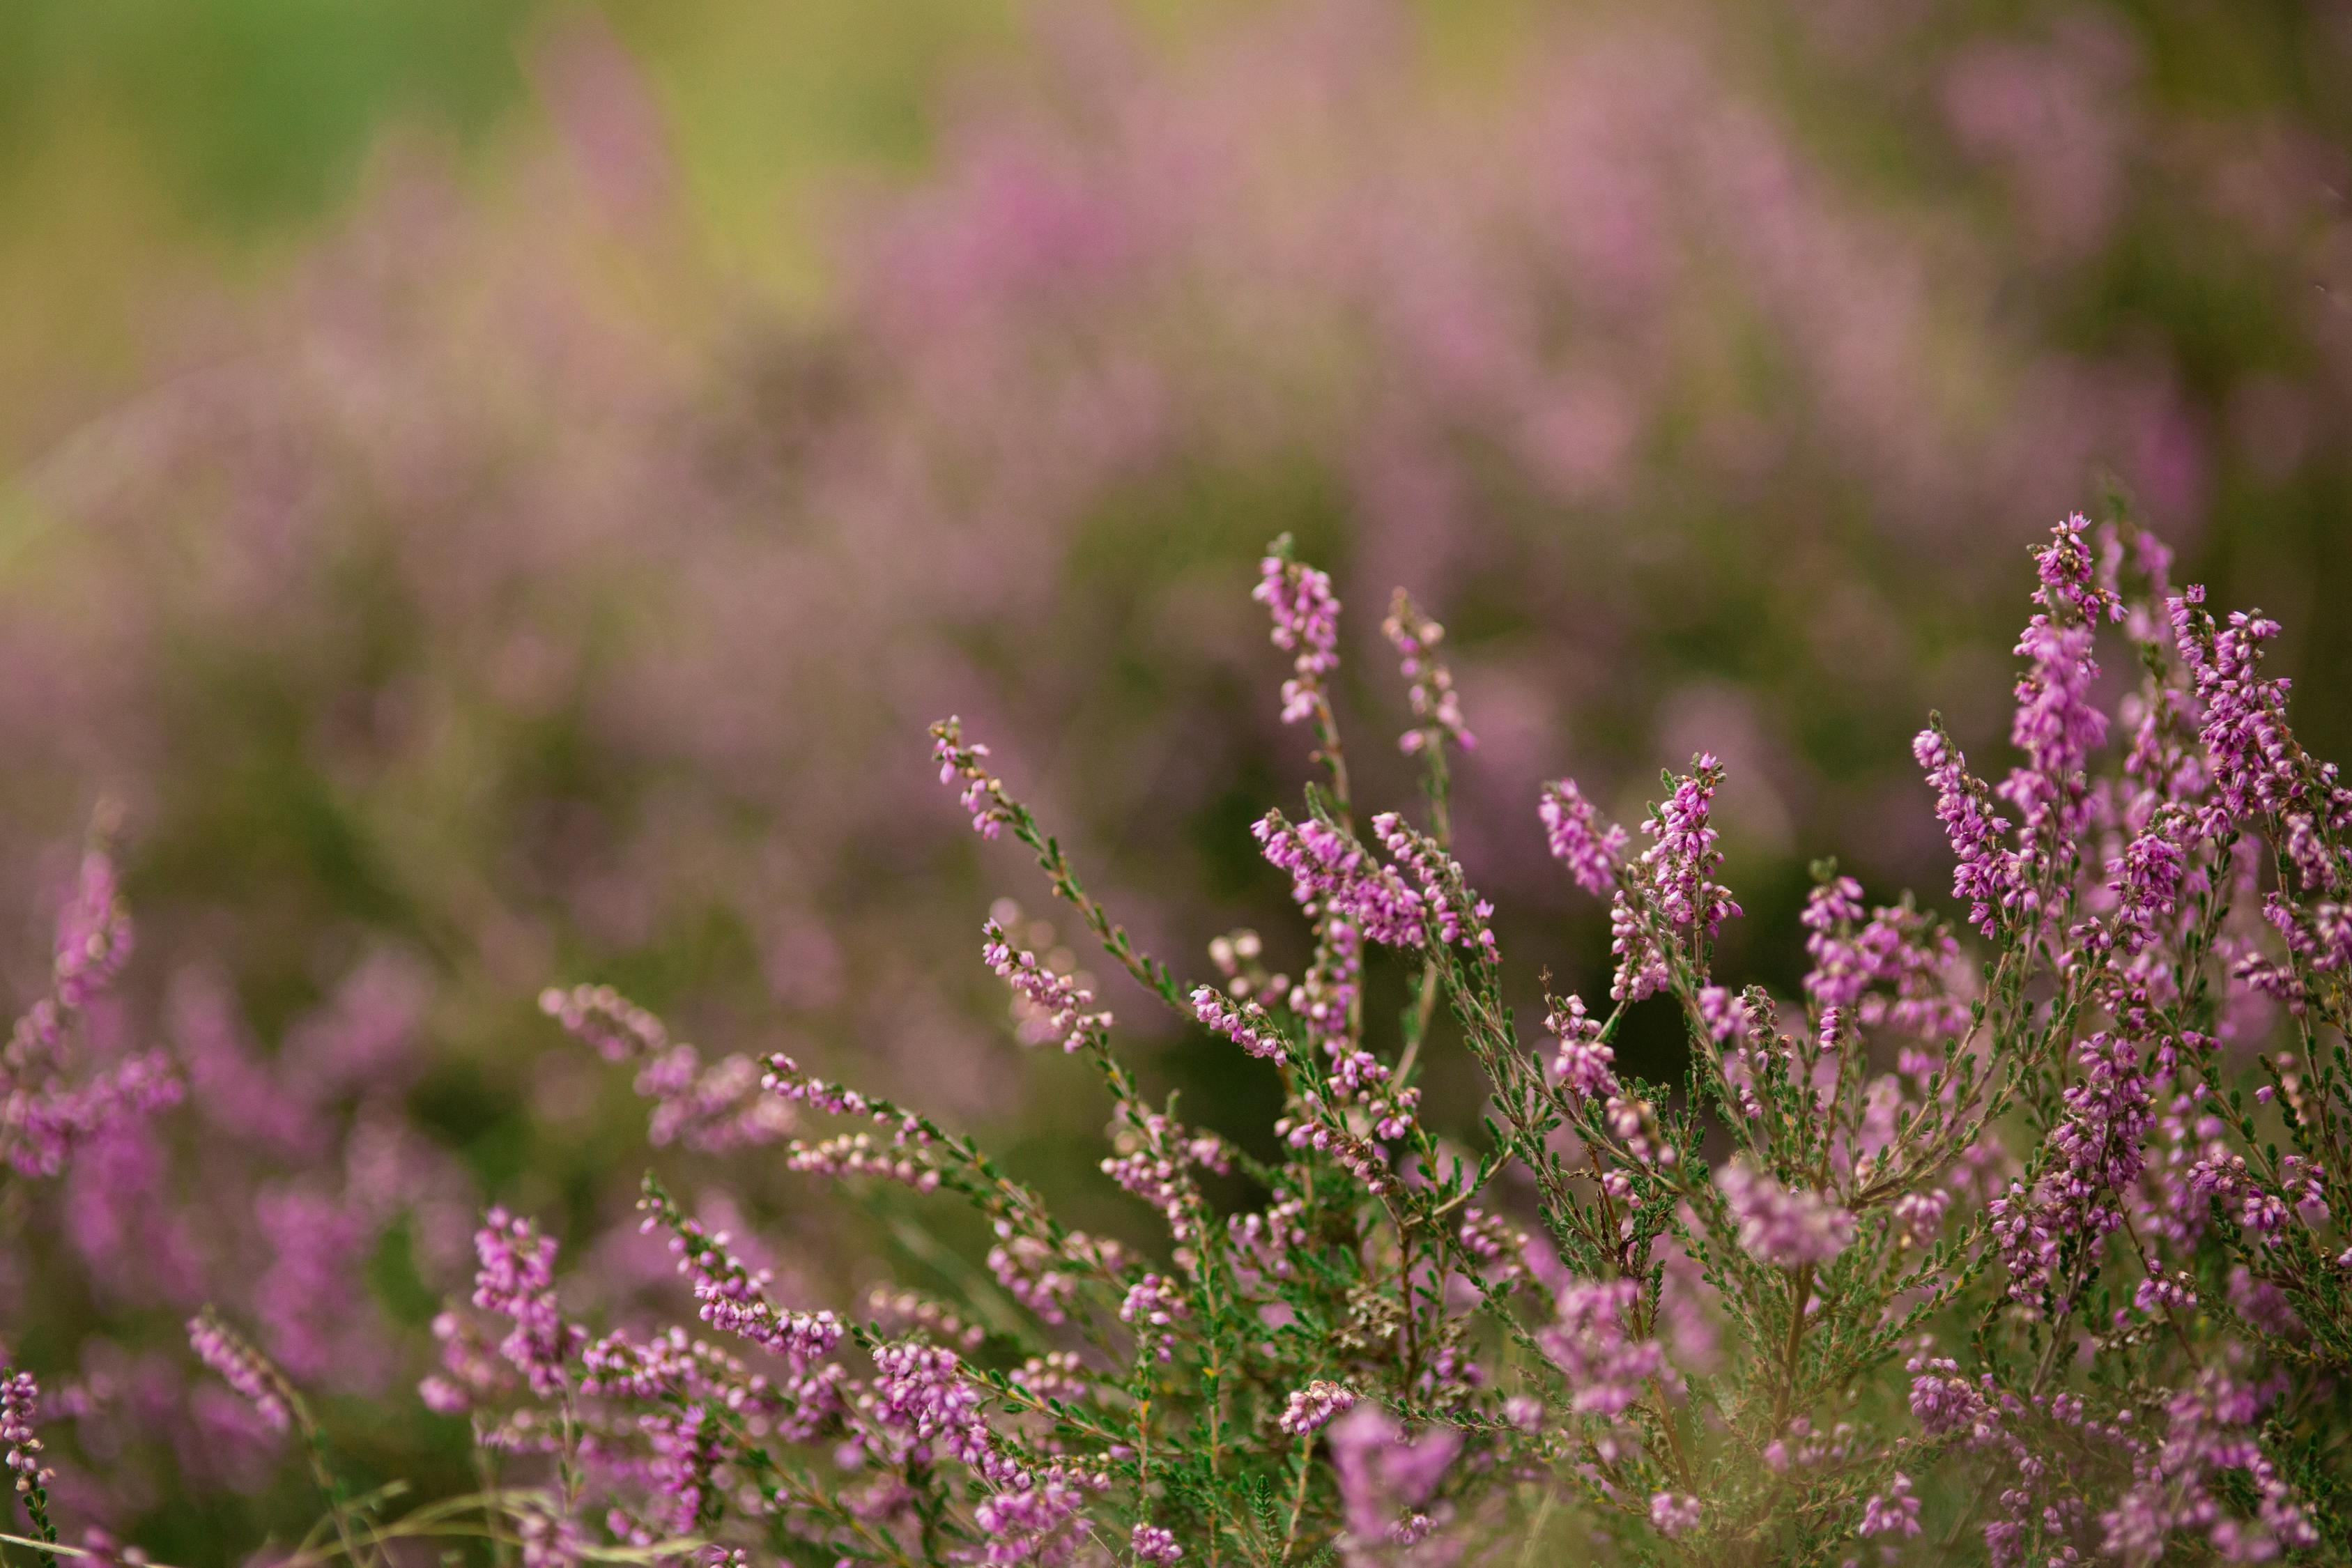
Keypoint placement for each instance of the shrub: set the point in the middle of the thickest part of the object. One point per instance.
(2014, 1235)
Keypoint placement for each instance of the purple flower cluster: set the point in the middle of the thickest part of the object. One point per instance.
(1246, 1024)
(1312, 1407)
(45, 1115)
(1306, 623)
(515, 1279)
(1152, 1307)
(1591, 1341)
(1584, 1065)
(1781, 1225)
(242, 1367)
(1059, 1003)
(1331, 875)
(20, 1414)
(1436, 707)
(1591, 848)
(1460, 916)
(2099, 1149)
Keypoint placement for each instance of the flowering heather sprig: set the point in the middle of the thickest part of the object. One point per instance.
(1246, 1024)
(1154, 1545)
(730, 1296)
(28, 1473)
(1678, 870)
(1152, 1307)
(1591, 848)
(1045, 1276)
(1387, 1478)
(712, 1109)
(1780, 1225)
(1984, 872)
(2209, 1430)
(2100, 1149)
(1584, 1065)
(1331, 875)
(1306, 623)
(46, 1112)
(44, 1127)
(1158, 1168)
(1446, 900)
(983, 796)
(1673, 1514)
(515, 1279)
(1436, 705)
(616, 1029)
(1894, 1511)
(1591, 1342)
(243, 1368)
(1313, 1406)
(1060, 1002)
(93, 941)
(2056, 726)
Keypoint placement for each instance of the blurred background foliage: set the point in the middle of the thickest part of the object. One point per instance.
(495, 490)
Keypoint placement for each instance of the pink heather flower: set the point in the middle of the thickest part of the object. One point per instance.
(2101, 1147)
(93, 935)
(1780, 1225)
(1984, 872)
(1892, 1512)
(2209, 1428)
(1329, 875)
(1679, 866)
(1590, 848)
(1942, 1402)
(1306, 622)
(1589, 1341)
(2248, 747)
(1042, 1276)
(616, 1029)
(1672, 897)
(1584, 1065)
(240, 1366)
(1152, 1544)
(20, 1407)
(515, 1279)
(1247, 1024)
(712, 1110)
(729, 1296)
(983, 796)
(2056, 725)
(1459, 916)
(1385, 1477)
(1150, 1308)
(2146, 878)
(1673, 1514)
(52, 1122)
(1060, 1002)
(920, 1392)
(1718, 1012)
(1434, 705)
(1038, 1518)
(1314, 1405)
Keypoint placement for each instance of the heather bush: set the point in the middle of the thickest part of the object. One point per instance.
(2010, 1237)
(516, 592)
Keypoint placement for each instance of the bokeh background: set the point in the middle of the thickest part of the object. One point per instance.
(492, 490)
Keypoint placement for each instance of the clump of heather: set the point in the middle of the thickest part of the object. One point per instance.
(2009, 1240)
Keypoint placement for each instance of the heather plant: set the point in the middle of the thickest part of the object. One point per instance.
(2009, 1238)
(514, 596)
